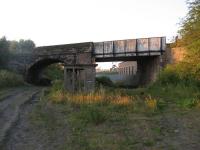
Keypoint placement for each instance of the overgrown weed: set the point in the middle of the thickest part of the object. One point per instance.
(151, 103)
(10, 79)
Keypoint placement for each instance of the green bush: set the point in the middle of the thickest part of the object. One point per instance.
(168, 76)
(189, 32)
(54, 72)
(175, 74)
(57, 85)
(10, 79)
(187, 103)
(104, 81)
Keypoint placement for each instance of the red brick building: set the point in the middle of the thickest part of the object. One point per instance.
(127, 68)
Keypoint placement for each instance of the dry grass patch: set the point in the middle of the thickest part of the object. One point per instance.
(100, 96)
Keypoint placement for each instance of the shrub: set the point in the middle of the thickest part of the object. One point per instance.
(57, 85)
(188, 103)
(177, 74)
(10, 79)
(54, 72)
(104, 81)
(169, 75)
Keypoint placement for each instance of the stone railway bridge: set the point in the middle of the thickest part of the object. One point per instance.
(80, 60)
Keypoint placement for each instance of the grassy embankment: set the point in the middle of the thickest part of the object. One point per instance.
(114, 118)
(9, 80)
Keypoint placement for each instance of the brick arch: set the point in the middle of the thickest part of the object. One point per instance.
(34, 70)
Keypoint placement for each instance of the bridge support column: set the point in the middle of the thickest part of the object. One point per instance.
(79, 77)
(148, 69)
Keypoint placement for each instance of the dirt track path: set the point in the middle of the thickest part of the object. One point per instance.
(19, 131)
(10, 107)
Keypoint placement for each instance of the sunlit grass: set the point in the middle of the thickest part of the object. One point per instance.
(81, 98)
(198, 104)
(57, 96)
(60, 96)
(122, 100)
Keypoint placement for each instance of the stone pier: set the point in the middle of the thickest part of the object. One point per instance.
(148, 69)
(79, 78)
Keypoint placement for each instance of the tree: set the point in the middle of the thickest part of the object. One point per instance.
(13, 47)
(26, 46)
(23, 46)
(7, 48)
(190, 32)
(4, 51)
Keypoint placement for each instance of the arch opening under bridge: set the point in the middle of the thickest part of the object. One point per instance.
(35, 71)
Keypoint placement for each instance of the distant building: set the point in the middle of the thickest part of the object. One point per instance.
(102, 70)
(98, 69)
(127, 68)
(114, 68)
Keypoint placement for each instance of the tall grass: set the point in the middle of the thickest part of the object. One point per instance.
(97, 97)
(173, 86)
(10, 79)
(112, 98)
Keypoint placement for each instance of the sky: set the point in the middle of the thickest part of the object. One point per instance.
(52, 22)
